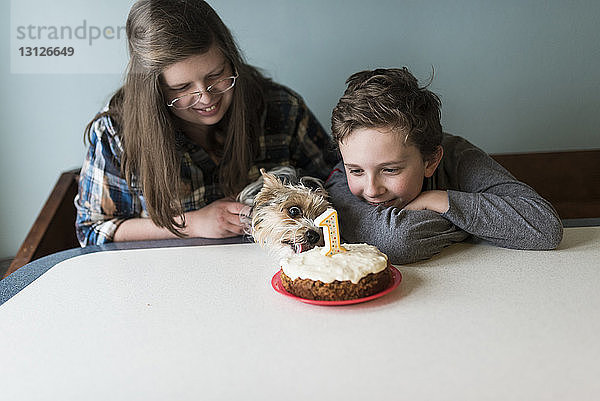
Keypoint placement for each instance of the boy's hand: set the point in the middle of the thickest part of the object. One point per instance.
(430, 200)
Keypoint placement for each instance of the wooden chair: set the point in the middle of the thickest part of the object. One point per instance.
(54, 228)
(569, 180)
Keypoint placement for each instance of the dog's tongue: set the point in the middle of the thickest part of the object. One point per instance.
(298, 248)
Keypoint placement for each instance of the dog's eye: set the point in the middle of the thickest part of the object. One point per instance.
(295, 211)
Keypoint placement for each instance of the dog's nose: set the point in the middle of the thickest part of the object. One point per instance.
(312, 236)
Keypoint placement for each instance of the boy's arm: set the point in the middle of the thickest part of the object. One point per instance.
(406, 236)
(491, 204)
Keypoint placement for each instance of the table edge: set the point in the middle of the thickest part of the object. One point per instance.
(21, 278)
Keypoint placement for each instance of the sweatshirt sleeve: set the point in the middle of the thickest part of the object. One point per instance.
(405, 236)
(491, 204)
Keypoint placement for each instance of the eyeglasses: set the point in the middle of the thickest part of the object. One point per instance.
(190, 99)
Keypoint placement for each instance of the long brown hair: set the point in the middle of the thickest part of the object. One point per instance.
(161, 33)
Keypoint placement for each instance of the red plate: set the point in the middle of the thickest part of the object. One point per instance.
(278, 286)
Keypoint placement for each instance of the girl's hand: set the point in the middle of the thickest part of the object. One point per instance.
(220, 219)
(430, 200)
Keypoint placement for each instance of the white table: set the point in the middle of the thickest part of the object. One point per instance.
(203, 323)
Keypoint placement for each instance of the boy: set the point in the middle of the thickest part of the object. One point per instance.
(410, 189)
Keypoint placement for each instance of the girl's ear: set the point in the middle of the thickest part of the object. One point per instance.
(434, 161)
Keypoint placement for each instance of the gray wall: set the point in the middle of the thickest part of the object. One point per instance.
(513, 75)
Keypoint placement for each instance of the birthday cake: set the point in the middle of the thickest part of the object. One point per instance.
(360, 271)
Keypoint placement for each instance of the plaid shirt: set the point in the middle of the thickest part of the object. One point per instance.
(291, 135)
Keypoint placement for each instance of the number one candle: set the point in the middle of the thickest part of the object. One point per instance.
(329, 221)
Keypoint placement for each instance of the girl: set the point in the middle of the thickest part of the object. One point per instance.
(190, 127)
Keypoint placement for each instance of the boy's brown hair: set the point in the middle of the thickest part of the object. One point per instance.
(391, 99)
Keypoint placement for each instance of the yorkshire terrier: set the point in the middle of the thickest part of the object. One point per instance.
(284, 207)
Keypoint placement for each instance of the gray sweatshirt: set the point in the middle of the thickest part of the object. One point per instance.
(486, 202)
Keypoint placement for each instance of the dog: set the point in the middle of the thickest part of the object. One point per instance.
(283, 210)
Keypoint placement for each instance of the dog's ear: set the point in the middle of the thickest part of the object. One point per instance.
(312, 183)
(270, 180)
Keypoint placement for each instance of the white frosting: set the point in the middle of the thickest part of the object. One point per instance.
(357, 262)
